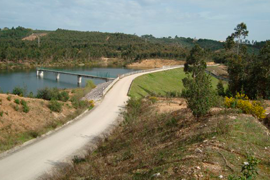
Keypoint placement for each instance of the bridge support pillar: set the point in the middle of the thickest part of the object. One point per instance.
(57, 76)
(41, 74)
(79, 79)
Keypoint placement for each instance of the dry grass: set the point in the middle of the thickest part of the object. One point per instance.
(17, 127)
(150, 145)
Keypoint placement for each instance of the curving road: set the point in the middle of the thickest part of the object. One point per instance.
(35, 159)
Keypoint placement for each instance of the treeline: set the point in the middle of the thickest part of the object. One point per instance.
(64, 45)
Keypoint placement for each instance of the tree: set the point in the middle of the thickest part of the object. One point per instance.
(229, 44)
(195, 62)
(198, 88)
(240, 33)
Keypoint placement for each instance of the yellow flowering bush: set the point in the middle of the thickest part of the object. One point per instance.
(242, 102)
(91, 104)
(153, 99)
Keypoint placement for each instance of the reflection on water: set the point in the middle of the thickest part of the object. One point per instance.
(29, 80)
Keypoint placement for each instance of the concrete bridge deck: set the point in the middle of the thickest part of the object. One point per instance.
(40, 73)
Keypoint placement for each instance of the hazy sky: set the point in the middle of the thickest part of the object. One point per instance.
(211, 19)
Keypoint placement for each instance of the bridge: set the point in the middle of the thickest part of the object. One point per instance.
(40, 73)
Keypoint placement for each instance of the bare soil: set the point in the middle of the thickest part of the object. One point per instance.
(16, 125)
(33, 36)
(155, 63)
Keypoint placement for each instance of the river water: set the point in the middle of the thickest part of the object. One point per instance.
(28, 79)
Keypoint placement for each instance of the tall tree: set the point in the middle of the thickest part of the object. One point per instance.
(240, 33)
(198, 89)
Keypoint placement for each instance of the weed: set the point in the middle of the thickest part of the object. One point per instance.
(9, 98)
(17, 101)
(18, 91)
(33, 134)
(77, 160)
(16, 108)
(55, 106)
(249, 170)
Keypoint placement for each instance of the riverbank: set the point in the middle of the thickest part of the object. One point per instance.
(32, 64)
(18, 125)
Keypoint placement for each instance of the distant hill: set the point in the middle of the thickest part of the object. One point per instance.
(19, 44)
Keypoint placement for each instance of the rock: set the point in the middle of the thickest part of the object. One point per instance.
(198, 150)
(156, 175)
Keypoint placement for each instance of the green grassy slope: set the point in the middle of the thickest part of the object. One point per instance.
(160, 83)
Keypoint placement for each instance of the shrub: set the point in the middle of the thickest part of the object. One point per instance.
(153, 99)
(90, 84)
(55, 106)
(248, 171)
(1, 113)
(9, 98)
(17, 101)
(91, 104)
(52, 94)
(242, 102)
(44, 94)
(31, 95)
(64, 96)
(220, 89)
(23, 102)
(199, 94)
(16, 108)
(18, 91)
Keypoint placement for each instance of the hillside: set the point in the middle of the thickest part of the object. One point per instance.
(153, 144)
(19, 45)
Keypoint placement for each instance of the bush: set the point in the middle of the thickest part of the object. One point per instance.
(44, 94)
(90, 84)
(199, 94)
(31, 95)
(23, 102)
(52, 94)
(91, 104)
(17, 101)
(9, 98)
(16, 108)
(63, 96)
(78, 104)
(220, 89)
(242, 102)
(153, 99)
(55, 106)
(18, 91)
(1, 113)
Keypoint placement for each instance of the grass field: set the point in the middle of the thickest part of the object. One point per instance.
(160, 83)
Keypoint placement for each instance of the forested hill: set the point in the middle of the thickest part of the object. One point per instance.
(63, 45)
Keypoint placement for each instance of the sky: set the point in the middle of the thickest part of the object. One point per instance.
(207, 19)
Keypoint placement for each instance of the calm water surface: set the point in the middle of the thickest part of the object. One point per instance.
(29, 80)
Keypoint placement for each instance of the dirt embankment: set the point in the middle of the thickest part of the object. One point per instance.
(33, 36)
(155, 63)
(17, 126)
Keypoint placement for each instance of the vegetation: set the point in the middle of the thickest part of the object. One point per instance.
(166, 83)
(86, 47)
(149, 145)
(247, 73)
(52, 94)
(18, 91)
(55, 106)
(242, 102)
(198, 89)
